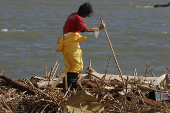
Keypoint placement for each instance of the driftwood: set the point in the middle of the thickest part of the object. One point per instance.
(92, 75)
(17, 84)
(98, 92)
(41, 82)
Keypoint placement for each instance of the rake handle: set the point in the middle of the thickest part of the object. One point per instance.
(112, 51)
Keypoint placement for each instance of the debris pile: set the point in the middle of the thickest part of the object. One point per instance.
(95, 93)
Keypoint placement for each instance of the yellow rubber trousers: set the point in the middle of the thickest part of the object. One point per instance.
(69, 46)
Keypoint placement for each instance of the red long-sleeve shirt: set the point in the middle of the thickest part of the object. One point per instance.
(74, 23)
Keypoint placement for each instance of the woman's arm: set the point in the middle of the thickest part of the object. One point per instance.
(93, 29)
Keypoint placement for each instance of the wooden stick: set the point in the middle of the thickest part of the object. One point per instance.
(67, 91)
(58, 73)
(103, 78)
(58, 80)
(100, 79)
(152, 74)
(147, 66)
(46, 71)
(113, 52)
(152, 69)
(50, 77)
(168, 69)
(126, 88)
(81, 107)
(54, 67)
(90, 63)
(55, 70)
(136, 72)
(127, 84)
(161, 94)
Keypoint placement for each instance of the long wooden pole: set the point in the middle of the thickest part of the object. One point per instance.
(113, 52)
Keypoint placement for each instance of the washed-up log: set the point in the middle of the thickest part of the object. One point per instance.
(41, 82)
(119, 83)
(45, 84)
(93, 75)
(16, 84)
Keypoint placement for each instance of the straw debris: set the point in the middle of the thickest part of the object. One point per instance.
(95, 93)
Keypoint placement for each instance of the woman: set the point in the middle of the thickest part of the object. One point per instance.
(69, 42)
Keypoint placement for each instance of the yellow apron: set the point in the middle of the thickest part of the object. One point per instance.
(69, 45)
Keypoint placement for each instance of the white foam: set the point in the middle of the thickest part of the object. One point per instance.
(4, 30)
(164, 32)
(148, 6)
(18, 30)
(144, 6)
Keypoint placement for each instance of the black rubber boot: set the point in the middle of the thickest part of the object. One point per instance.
(72, 79)
(68, 79)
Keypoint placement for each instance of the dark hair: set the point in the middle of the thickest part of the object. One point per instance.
(85, 9)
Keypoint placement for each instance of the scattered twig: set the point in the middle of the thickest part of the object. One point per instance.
(168, 69)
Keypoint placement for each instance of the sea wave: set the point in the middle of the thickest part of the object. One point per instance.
(148, 6)
(13, 30)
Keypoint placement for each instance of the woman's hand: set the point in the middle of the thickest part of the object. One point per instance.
(102, 26)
